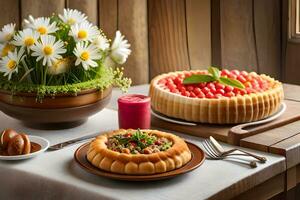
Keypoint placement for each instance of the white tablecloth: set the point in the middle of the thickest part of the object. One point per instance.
(55, 175)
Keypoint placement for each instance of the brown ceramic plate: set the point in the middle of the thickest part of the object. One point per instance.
(197, 159)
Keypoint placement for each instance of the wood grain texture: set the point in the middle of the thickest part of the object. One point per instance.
(167, 36)
(202, 130)
(267, 33)
(291, 176)
(89, 7)
(108, 16)
(258, 178)
(292, 183)
(290, 55)
(237, 35)
(10, 12)
(198, 15)
(291, 92)
(236, 134)
(292, 61)
(266, 190)
(133, 24)
(41, 7)
(290, 148)
(284, 35)
(268, 138)
(215, 33)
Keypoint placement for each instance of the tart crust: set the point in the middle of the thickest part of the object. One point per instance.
(139, 164)
(238, 109)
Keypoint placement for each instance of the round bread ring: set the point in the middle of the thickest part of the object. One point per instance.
(138, 164)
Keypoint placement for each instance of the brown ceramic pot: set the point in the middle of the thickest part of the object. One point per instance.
(61, 111)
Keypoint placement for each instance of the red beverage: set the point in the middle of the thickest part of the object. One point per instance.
(134, 111)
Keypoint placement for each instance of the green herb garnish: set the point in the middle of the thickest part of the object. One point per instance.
(138, 141)
(214, 75)
(166, 146)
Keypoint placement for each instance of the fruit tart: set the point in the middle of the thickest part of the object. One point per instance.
(138, 152)
(216, 96)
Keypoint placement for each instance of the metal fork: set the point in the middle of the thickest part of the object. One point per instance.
(212, 154)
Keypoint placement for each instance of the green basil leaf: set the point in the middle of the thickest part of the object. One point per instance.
(198, 78)
(231, 82)
(215, 72)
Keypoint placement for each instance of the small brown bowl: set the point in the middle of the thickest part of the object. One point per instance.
(61, 111)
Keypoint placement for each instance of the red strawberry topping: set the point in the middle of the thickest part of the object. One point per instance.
(252, 82)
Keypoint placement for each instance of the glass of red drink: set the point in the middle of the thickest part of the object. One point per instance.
(134, 111)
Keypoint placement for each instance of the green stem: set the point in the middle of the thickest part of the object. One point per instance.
(49, 80)
(45, 75)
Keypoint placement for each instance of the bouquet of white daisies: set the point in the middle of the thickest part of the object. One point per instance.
(60, 50)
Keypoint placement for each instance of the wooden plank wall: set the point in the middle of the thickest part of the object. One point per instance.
(164, 35)
(168, 35)
(249, 35)
(290, 50)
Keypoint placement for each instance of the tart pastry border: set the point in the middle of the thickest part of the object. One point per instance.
(233, 110)
(138, 164)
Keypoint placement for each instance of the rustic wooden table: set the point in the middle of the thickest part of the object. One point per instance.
(284, 140)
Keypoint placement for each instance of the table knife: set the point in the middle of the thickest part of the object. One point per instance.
(71, 142)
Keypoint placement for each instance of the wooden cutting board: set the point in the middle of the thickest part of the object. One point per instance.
(232, 133)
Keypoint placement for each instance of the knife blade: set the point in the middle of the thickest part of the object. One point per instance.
(216, 144)
(71, 142)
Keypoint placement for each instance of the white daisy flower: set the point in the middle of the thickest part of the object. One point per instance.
(86, 55)
(48, 50)
(120, 49)
(9, 64)
(27, 23)
(72, 16)
(84, 32)
(26, 38)
(61, 66)
(6, 48)
(101, 42)
(42, 26)
(7, 32)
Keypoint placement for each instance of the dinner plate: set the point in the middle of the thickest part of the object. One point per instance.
(36, 139)
(197, 159)
(272, 117)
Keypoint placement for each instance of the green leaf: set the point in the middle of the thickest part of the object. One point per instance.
(215, 72)
(198, 78)
(231, 82)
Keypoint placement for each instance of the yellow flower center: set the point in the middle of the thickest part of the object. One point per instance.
(85, 56)
(71, 21)
(6, 49)
(11, 64)
(48, 50)
(42, 30)
(82, 34)
(29, 41)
